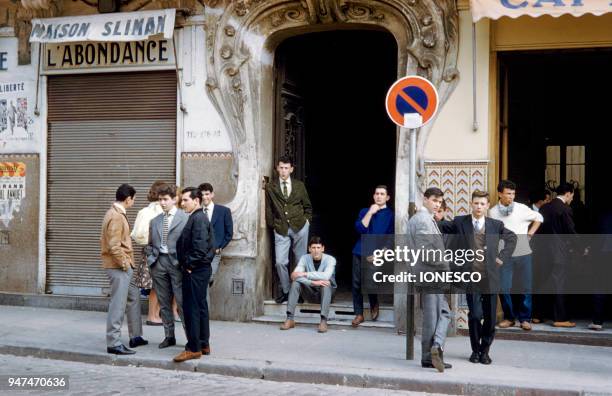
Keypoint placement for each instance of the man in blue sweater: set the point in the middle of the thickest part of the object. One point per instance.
(378, 219)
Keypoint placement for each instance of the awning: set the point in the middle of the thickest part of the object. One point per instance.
(120, 26)
(495, 9)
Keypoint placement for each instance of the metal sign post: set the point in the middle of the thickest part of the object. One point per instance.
(411, 102)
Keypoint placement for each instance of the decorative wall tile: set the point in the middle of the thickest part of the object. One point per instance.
(457, 179)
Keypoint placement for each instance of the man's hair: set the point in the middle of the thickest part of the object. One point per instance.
(510, 185)
(382, 186)
(153, 191)
(565, 188)
(443, 206)
(480, 194)
(124, 192)
(285, 159)
(538, 195)
(205, 187)
(167, 189)
(193, 193)
(433, 192)
(315, 240)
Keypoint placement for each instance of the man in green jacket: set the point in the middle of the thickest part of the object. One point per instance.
(289, 212)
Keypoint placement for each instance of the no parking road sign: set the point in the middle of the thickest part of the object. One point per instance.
(412, 102)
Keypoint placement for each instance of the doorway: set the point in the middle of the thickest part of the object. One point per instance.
(554, 130)
(331, 119)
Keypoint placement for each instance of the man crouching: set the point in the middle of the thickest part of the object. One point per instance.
(313, 279)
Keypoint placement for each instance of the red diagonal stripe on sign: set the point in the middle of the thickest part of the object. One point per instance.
(411, 102)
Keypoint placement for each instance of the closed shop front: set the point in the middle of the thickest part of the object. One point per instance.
(111, 119)
(103, 130)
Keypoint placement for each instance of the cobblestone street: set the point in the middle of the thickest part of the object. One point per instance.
(93, 379)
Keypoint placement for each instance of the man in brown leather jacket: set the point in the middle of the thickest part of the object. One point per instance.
(118, 261)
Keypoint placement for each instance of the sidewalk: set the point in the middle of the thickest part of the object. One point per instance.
(360, 357)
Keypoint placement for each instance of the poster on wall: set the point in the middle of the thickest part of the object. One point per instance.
(12, 190)
(16, 117)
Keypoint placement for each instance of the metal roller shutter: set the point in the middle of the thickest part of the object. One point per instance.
(104, 130)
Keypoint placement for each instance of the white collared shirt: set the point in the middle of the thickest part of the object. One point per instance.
(478, 223)
(120, 207)
(518, 222)
(535, 208)
(163, 248)
(288, 181)
(210, 209)
(561, 197)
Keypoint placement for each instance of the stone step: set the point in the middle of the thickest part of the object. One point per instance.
(314, 321)
(337, 311)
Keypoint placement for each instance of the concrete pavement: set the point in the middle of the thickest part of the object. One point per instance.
(360, 357)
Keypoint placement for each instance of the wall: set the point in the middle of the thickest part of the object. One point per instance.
(20, 140)
(452, 136)
(19, 223)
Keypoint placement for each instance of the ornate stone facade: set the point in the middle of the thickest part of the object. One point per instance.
(242, 36)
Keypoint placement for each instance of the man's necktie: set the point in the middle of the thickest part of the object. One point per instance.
(165, 228)
(477, 226)
(285, 194)
(206, 213)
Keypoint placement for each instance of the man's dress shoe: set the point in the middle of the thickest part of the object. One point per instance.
(138, 341)
(374, 312)
(430, 365)
(282, 298)
(358, 320)
(167, 342)
(475, 357)
(206, 350)
(436, 357)
(120, 350)
(485, 358)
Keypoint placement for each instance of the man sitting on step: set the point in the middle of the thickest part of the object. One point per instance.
(314, 279)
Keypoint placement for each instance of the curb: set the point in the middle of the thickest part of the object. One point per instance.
(273, 372)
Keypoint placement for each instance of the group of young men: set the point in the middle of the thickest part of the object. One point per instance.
(183, 253)
(288, 213)
(185, 245)
(503, 232)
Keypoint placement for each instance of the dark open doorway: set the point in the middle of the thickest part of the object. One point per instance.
(331, 119)
(555, 107)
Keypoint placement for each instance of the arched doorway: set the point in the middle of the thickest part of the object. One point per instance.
(330, 118)
(241, 40)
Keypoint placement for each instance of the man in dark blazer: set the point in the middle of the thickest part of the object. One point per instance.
(195, 250)
(558, 220)
(221, 219)
(289, 213)
(481, 234)
(164, 232)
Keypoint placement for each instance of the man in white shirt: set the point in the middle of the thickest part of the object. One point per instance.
(524, 222)
(162, 257)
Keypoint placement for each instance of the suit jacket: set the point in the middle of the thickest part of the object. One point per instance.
(558, 221)
(326, 271)
(115, 242)
(423, 233)
(284, 213)
(156, 228)
(195, 247)
(223, 226)
(495, 232)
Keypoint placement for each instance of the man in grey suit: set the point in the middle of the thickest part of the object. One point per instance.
(423, 233)
(164, 231)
